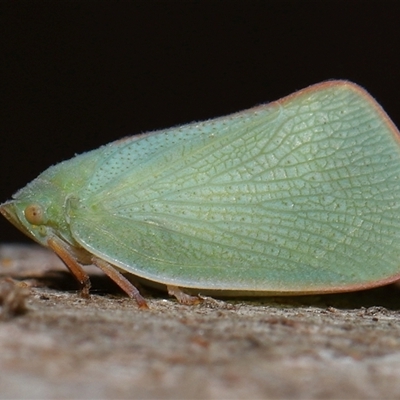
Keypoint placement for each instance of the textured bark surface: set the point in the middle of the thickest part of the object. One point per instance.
(62, 346)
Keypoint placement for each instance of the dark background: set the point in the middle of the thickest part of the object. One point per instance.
(78, 74)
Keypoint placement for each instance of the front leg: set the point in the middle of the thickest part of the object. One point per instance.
(63, 252)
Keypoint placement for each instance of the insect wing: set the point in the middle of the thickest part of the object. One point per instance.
(300, 195)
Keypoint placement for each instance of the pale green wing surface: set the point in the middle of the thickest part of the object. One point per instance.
(302, 194)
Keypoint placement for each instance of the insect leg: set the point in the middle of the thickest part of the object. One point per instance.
(72, 264)
(182, 297)
(121, 281)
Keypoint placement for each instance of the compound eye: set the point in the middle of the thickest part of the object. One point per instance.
(34, 214)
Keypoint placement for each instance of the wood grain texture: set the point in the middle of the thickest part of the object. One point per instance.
(331, 346)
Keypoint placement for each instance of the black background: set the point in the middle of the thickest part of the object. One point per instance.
(78, 74)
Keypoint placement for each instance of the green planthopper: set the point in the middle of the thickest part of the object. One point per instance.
(298, 196)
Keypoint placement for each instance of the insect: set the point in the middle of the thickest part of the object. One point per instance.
(297, 196)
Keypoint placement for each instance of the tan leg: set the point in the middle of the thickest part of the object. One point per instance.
(69, 260)
(121, 281)
(182, 297)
